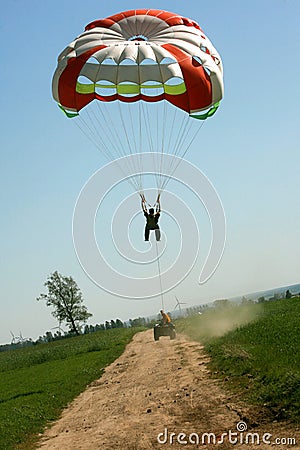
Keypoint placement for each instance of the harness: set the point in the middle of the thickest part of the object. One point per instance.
(152, 221)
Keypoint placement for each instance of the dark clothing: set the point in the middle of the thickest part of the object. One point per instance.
(152, 220)
(147, 232)
(152, 224)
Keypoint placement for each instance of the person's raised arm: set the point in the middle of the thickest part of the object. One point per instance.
(143, 202)
(158, 208)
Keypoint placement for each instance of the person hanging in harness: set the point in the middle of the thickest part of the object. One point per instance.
(152, 218)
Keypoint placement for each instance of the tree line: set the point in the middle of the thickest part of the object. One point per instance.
(65, 298)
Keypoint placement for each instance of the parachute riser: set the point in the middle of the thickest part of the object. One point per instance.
(144, 201)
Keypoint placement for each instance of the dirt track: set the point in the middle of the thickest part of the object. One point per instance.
(156, 386)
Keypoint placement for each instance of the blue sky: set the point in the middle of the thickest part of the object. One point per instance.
(249, 151)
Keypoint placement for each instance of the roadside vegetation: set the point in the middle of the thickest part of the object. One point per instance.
(38, 382)
(255, 347)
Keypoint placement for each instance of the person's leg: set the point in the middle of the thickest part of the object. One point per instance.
(157, 234)
(147, 231)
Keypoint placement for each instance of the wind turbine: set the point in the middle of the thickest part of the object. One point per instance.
(22, 339)
(59, 328)
(18, 339)
(15, 339)
(178, 305)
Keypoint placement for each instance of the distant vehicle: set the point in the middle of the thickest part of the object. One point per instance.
(161, 329)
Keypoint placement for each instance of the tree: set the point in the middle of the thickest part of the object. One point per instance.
(138, 322)
(119, 323)
(288, 294)
(66, 298)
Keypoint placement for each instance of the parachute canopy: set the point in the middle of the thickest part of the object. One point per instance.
(138, 77)
(144, 54)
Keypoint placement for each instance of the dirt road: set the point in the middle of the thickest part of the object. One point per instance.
(153, 390)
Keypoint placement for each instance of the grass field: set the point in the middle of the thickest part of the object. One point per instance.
(256, 348)
(37, 382)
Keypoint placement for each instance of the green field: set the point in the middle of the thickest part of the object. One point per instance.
(256, 348)
(37, 382)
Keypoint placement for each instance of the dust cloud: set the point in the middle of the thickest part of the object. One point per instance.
(223, 317)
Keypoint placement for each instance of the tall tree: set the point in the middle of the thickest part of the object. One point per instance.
(66, 298)
(119, 323)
